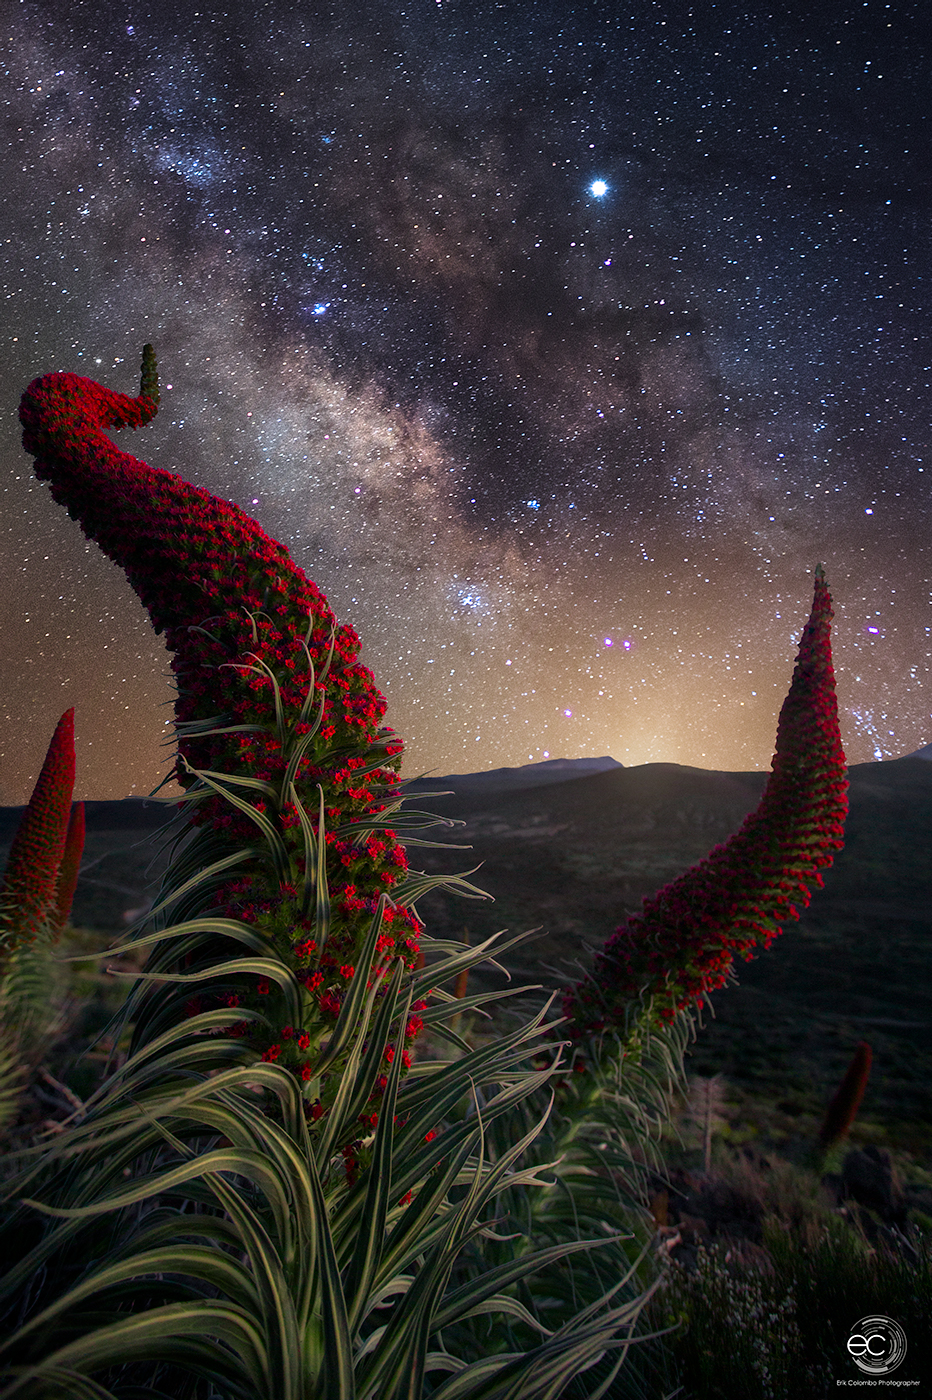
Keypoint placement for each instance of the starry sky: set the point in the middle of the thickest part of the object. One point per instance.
(558, 348)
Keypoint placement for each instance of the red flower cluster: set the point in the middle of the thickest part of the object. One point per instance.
(200, 566)
(244, 624)
(683, 944)
(42, 867)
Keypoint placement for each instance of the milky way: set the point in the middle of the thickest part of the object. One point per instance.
(559, 349)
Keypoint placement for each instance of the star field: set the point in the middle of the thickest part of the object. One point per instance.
(558, 348)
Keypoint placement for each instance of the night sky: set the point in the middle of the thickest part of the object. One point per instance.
(558, 348)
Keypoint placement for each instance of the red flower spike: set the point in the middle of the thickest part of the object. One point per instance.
(195, 561)
(28, 893)
(68, 870)
(236, 611)
(682, 946)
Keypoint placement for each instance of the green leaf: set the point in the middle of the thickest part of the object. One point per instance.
(437, 973)
(275, 848)
(260, 967)
(243, 933)
(453, 1006)
(411, 889)
(69, 1385)
(261, 669)
(322, 913)
(371, 1236)
(372, 1041)
(301, 745)
(339, 1371)
(205, 875)
(348, 1021)
(178, 1333)
(212, 1266)
(310, 851)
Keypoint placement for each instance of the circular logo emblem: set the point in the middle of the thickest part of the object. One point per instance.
(877, 1345)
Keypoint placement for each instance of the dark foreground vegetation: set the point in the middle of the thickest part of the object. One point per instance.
(773, 1252)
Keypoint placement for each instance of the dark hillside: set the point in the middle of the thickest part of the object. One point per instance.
(573, 852)
(576, 858)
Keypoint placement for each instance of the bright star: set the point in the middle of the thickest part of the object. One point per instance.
(598, 188)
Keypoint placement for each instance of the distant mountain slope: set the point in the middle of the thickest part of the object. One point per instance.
(577, 858)
(551, 770)
(623, 831)
(130, 814)
(573, 849)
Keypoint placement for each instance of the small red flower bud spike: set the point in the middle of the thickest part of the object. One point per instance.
(28, 892)
(844, 1106)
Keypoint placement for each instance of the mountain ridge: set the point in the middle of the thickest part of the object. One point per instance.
(576, 854)
(148, 813)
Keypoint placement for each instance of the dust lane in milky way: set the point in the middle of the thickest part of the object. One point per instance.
(557, 348)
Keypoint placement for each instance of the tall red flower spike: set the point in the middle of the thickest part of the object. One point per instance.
(244, 624)
(27, 896)
(68, 870)
(683, 944)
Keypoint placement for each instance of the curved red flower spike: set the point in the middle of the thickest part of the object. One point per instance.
(261, 667)
(683, 944)
(27, 896)
(199, 564)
